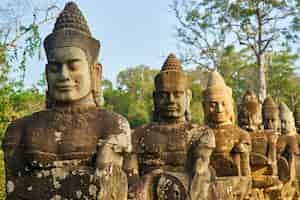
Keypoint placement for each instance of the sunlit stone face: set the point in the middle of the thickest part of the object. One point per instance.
(271, 121)
(68, 74)
(286, 126)
(171, 103)
(287, 123)
(297, 121)
(217, 110)
(250, 121)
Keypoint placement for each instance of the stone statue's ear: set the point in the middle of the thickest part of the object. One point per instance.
(189, 95)
(155, 111)
(96, 76)
(97, 70)
(188, 113)
(49, 101)
(205, 112)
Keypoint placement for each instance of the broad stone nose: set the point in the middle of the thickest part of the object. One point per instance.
(64, 72)
(220, 107)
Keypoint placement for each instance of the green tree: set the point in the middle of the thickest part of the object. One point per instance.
(282, 79)
(19, 40)
(258, 25)
(133, 96)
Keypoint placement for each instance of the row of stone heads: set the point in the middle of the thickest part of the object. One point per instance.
(253, 116)
(76, 150)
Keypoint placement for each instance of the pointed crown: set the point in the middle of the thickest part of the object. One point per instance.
(171, 63)
(285, 112)
(216, 86)
(72, 18)
(269, 107)
(71, 30)
(171, 74)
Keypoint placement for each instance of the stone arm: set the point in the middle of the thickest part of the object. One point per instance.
(243, 148)
(111, 149)
(272, 152)
(131, 168)
(109, 172)
(200, 182)
(14, 159)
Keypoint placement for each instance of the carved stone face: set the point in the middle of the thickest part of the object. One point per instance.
(217, 110)
(171, 103)
(271, 121)
(286, 121)
(286, 126)
(68, 74)
(297, 124)
(297, 121)
(250, 121)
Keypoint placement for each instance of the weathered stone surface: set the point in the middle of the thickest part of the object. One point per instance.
(288, 153)
(263, 161)
(171, 154)
(74, 149)
(230, 158)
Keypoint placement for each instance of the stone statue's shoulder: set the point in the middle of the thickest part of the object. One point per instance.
(202, 135)
(112, 123)
(16, 129)
(244, 136)
(140, 131)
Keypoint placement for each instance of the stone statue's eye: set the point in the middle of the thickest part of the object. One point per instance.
(163, 94)
(73, 64)
(212, 104)
(178, 93)
(53, 66)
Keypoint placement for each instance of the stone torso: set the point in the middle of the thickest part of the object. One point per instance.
(59, 150)
(261, 142)
(227, 139)
(288, 145)
(167, 147)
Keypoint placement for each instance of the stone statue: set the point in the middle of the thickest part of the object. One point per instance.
(249, 112)
(288, 151)
(170, 157)
(270, 114)
(230, 158)
(297, 117)
(263, 162)
(74, 149)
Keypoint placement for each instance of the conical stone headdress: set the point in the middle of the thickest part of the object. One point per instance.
(285, 112)
(269, 107)
(216, 86)
(71, 30)
(171, 75)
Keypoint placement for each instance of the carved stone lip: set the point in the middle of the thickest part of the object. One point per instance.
(171, 108)
(65, 87)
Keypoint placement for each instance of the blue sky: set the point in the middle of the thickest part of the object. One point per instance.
(131, 33)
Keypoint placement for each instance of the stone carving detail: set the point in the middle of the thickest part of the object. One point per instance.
(270, 114)
(288, 153)
(230, 158)
(171, 154)
(297, 117)
(74, 149)
(263, 161)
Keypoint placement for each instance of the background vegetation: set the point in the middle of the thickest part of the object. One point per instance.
(205, 45)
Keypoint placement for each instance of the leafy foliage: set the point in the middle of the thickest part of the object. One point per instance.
(206, 28)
